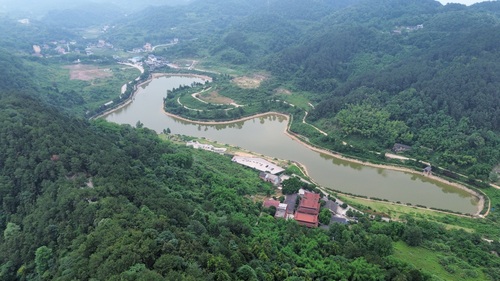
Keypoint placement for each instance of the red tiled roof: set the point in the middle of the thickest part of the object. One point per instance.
(271, 202)
(311, 196)
(309, 203)
(306, 218)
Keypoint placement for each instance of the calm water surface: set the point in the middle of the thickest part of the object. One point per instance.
(265, 135)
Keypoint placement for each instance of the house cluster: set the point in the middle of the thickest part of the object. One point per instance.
(155, 62)
(135, 60)
(60, 47)
(306, 213)
(207, 147)
(308, 209)
(101, 44)
(146, 48)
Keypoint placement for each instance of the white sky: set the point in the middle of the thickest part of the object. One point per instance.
(466, 2)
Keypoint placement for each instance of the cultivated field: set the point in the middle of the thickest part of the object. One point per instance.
(87, 72)
(215, 98)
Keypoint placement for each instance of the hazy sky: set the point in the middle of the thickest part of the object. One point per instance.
(466, 2)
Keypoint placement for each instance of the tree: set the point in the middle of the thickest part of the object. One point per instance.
(324, 216)
(246, 273)
(413, 236)
(291, 185)
(11, 231)
(364, 271)
(43, 261)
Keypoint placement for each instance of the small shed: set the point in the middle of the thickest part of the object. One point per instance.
(428, 170)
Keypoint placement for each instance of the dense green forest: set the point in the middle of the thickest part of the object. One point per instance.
(91, 200)
(98, 201)
(379, 72)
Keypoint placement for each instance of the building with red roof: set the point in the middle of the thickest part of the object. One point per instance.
(271, 203)
(309, 204)
(306, 219)
(308, 210)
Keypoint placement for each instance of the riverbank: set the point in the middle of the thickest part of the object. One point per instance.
(480, 198)
(223, 122)
(158, 75)
(188, 127)
(152, 76)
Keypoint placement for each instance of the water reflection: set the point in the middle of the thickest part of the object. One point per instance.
(382, 172)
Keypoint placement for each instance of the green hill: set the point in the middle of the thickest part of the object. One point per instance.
(426, 70)
(91, 200)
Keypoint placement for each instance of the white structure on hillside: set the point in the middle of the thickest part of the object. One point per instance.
(207, 147)
(258, 164)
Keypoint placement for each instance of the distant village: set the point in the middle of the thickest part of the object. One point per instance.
(65, 47)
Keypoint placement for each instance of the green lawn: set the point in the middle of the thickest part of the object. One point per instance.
(428, 261)
(397, 211)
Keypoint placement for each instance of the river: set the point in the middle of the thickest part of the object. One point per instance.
(265, 135)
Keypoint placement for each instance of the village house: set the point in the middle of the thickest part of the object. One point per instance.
(281, 211)
(335, 209)
(274, 179)
(309, 204)
(308, 210)
(147, 47)
(306, 219)
(281, 208)
(271, 203)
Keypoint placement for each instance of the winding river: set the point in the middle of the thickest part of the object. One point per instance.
(265, 135)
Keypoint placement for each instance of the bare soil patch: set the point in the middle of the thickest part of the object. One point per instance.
(249, 82)
(87, 72)
(215, 97)
(283, 91)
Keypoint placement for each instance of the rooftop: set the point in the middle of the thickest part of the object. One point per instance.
(290, 200)
(306, 218)
(281, 211)
(310, 204)
(340, 220)
(258, 164)
(271, 202)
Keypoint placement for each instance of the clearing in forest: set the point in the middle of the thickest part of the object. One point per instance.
(87, 72)
(215, 98)
(249, 82)
(283, 91)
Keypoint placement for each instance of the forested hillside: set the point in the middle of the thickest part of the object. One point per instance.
(91, 200)
(380, 72)
(101, 201)
(430, 67)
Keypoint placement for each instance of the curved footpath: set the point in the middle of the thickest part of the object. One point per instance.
(296, 138)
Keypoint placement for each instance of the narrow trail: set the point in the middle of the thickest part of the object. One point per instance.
(317, 129)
